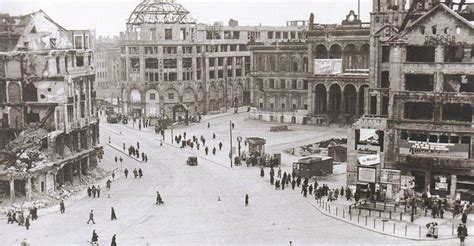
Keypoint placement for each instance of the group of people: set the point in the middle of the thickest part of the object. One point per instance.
(136, 173)
(134, 151)
(95, 239)
(93, 191)
(19, 217)
(195, 141)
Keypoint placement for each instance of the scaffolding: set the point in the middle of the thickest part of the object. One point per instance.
(160, 11)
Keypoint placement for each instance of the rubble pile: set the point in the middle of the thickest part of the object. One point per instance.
(315, 148)
(27, 148)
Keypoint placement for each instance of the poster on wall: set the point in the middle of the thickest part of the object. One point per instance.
(390, 176)
(408, 147)
(407, 182)
(369, 160)
(327, 66)
(366, 174)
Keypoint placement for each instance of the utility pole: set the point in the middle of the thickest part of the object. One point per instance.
(230, 151)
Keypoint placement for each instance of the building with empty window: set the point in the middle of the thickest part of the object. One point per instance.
(417, 133)
(48, 129)
(108, 70)
(318, 78)
(172, 63)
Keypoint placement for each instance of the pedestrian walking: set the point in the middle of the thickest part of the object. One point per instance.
(116, 159)
(214, 151)
(125, 172)
(98, 191)
(140, 172)
(208, 125)
(272, 180)
(461, 234)
(108, 184)
(24, 242)
(121, 160)
(293, 183)
(279, 172)
(262, 173)
(91, 217)
(158, 199)
(113, 176)
(113, 216)
(220, 145)
(246, 199)
(213, 136)
(310, 189)
(95, 237)
(232, 125)
(89, 191)
(135, 172)
(206, 150)
(62, 207)
(94, 191)
(27, 222)
(123, 146)
(114, 242)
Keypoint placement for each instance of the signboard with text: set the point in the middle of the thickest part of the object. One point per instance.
(366, 174)
(408, 147)
(390, 176)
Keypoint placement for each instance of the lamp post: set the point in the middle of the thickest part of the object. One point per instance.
(239, 139)
(230, 151)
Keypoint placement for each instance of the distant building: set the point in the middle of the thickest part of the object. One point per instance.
(173, 64)
(319, 77)
(47, 102)
(107, 65)
(419, 116)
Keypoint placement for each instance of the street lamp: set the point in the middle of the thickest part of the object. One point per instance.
(239, 139)
(230, 151)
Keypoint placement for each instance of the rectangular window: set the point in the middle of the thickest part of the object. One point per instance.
(385, 79)
(278, 35)
(282, 84)
(152, 96)
(187, 62)
(243, 47)
(229, 73)
(170, 63)
(212, 62)
(171, 96)
(272, 84)
(270, 35)
(220, 61)
(168, 34)
(151, 63)
(79, 61)
(305, 84)
(418, 110)
(65, 63)
(385, 53)
(420, 54)
(211, 75)
(182, 34)
(285, 35)
(293, 84)
(58, 62)
(135, 64)
(78, 42)
(419, 82)
(457, 112)
(220, 74)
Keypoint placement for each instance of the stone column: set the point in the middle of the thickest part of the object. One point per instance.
(12, 190)
(28, 188)
(454, 180)
(357, 102)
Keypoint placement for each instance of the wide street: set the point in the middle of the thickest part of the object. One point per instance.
(192, 214)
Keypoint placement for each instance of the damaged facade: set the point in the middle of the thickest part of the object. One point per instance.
(417, 134)
(46, 101)
(107, 70)
(320, 78)
(175, 65)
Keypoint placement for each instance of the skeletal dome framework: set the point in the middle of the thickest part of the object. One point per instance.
(160, 11)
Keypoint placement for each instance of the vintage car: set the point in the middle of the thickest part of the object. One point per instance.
(192, 161)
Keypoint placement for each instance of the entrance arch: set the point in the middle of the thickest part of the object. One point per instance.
(320, 99)
(136, 99)
(335, 98)
(350, 96)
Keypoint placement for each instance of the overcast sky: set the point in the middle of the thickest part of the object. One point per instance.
(108, 17)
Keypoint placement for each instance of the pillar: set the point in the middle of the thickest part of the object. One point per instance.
(454, 180)
(357, 111)
(328, 101)
(12, 190)
(28, 188)
(427, 181)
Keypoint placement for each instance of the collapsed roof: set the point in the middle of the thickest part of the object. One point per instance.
(160, 11)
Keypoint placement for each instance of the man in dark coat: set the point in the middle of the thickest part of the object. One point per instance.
(113, 243)
(125, 172)
(206, 150)
(246, 199)
(464, 218)
(27, 222)
(113, 216)
(62, 207)
(158, 198)
(89, 191)
(98, 191)
(214, 151)
(95, 237)
(220, 145)
(140, 172)
(293, 183)
(135, 173)
(94, 191)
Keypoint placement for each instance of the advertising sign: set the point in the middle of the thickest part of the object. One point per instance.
(369, 160)
(408, 147)
(327, 66)
(390, 176)
(407, 182)
(366, 174)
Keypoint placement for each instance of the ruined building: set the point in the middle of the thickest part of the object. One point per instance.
(319, 77)
(177, 67)
(108, 72)
(49, 132)
(417, 134)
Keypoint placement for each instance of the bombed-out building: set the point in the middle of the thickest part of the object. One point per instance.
(107, 65)
(417, 134)
(49, 132)
(319, 77)
(177, 66)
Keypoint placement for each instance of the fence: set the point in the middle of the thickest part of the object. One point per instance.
(388, 222)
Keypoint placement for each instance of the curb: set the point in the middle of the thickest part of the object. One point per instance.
(377, 231)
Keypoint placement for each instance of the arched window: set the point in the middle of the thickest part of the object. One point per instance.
(295, 65)
(282, 64)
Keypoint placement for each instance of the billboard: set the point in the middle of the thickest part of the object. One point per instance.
(390, 176)
(369, 160)
(408, 147)
(327, 66)
(366, 174)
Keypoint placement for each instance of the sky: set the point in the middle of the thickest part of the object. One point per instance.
(108, 17)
